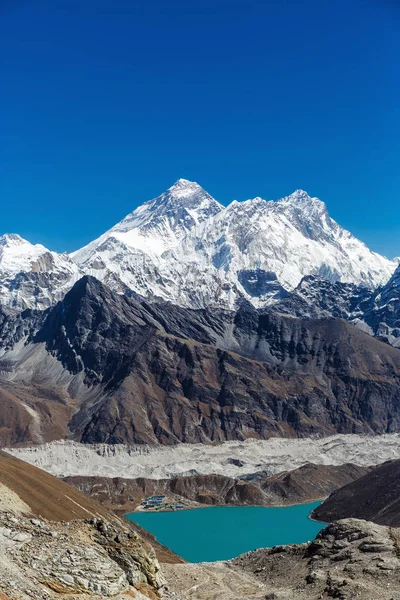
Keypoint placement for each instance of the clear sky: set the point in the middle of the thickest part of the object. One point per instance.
(105, 103)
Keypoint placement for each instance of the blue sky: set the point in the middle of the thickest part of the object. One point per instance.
(105, 103)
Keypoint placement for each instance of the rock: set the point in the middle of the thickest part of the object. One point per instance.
(70, 558)
(348, 559)
(37, 523)
(22, 537)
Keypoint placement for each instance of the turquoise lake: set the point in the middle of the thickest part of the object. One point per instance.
(221, 533)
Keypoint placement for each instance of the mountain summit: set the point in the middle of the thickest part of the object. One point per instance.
(31, 276)
(183, 206)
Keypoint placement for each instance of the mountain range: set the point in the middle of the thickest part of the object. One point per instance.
(193, 322)
(187, 248)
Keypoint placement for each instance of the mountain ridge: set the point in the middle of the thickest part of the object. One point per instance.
(187, 248)
(102, 367)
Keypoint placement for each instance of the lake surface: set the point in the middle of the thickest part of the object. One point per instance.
(221, 533)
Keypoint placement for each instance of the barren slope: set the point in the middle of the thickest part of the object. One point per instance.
(349, 559)
(375, 497)
(308, 483)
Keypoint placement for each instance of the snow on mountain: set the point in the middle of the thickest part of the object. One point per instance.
(17, 254)
(160, 224)
(147, 251)
(31, 276)
(187, 248)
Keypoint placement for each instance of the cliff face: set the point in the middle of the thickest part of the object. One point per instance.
(374, 497)
(105, 368)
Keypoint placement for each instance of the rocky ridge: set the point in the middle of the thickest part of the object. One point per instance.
(374, 311)
(55, 542)
(43, 559)
(305, 484)
(349, 559)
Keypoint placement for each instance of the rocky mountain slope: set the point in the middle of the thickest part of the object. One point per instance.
(185, 247)
(55, 542)
(349, 559)
(101, 367)
(375, 497)
(376, 312)
(42, 494)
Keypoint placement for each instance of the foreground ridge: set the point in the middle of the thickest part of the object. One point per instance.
(347, 560)
(80, 549)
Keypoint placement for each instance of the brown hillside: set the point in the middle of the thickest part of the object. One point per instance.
(48, 497)
(373, 497)
(52, 499)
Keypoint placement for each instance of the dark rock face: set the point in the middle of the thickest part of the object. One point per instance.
(15, 327)
(157, 373)
(259, 283)
(373, 497)
(377, 312)
(383, 313)
(316, 297)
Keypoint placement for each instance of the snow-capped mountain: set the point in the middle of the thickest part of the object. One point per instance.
(187, 248)
(31, 276)
(155, 251)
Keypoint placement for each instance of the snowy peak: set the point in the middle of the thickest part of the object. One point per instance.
(12, 239)
(302, 201)
(183, 206)
(154, 228)
(31, 276)
(298, 207)
(184, 188)
(17, 254)
(185, 247)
